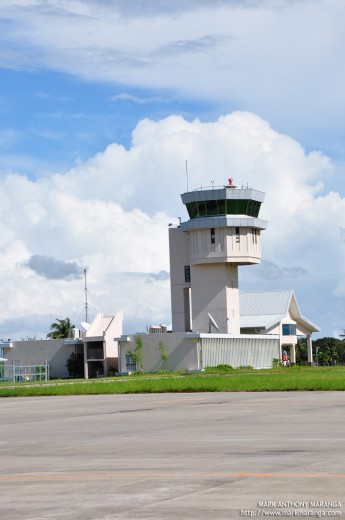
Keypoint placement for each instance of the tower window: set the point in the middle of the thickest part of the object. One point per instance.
(213, 236)
(209, 208)
(187, 274)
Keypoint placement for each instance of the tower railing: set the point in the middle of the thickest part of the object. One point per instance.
(227, 186)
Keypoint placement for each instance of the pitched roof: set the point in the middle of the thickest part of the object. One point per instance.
(263, 309)
(264, 303)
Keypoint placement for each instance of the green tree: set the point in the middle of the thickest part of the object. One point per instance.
(329, 350)
(341, 352)
(75, 365)
(163, 353)
(60, 329)
(137, 355)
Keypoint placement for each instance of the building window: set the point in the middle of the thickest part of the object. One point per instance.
(213, 236)
(289, 329)
(237, 231)
(131, 364)
(255, 235)
(95, 350)
(187, 274)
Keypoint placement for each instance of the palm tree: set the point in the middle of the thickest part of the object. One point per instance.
(60, 329)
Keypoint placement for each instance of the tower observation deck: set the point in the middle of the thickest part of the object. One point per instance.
(222, 233)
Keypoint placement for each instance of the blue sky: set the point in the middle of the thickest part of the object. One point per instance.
(51, 120)
(57, 118)
(101, 104)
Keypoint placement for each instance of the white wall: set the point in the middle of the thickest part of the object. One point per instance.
(243, 248)
(37, 352)
(182, 354)
(179, 258)
(113, 331)
(199, 351)
(215, 291)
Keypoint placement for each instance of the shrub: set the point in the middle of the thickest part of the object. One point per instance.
(219, 368)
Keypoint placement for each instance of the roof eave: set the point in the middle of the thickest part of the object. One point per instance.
(310, 324)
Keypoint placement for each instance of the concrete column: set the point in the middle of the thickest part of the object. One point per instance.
(86, 368)
(199, 355)
(119, 366)
(293, 354)
(280, 351)
(310, 349)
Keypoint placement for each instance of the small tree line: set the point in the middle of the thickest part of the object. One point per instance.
(326, 351)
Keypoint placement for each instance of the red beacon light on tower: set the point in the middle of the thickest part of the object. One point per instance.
(230, 183)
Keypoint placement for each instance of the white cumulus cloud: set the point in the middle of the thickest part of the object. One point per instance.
(111, 215)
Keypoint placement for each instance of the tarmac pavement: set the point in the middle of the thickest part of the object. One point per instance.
(198, 456)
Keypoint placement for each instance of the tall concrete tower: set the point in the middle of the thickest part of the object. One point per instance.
(223, 232)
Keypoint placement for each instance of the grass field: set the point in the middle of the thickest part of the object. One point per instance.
(237, 380)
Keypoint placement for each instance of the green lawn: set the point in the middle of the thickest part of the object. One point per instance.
(237, 380)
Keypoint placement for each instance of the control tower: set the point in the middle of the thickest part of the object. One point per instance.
(222, 233)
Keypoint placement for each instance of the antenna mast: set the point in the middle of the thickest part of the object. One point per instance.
(86, 306)
(187, 174)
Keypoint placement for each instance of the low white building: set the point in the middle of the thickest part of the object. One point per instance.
(271, 322)
(95, 347)
(276, 312)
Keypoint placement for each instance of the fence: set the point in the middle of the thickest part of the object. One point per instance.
(18, 373)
